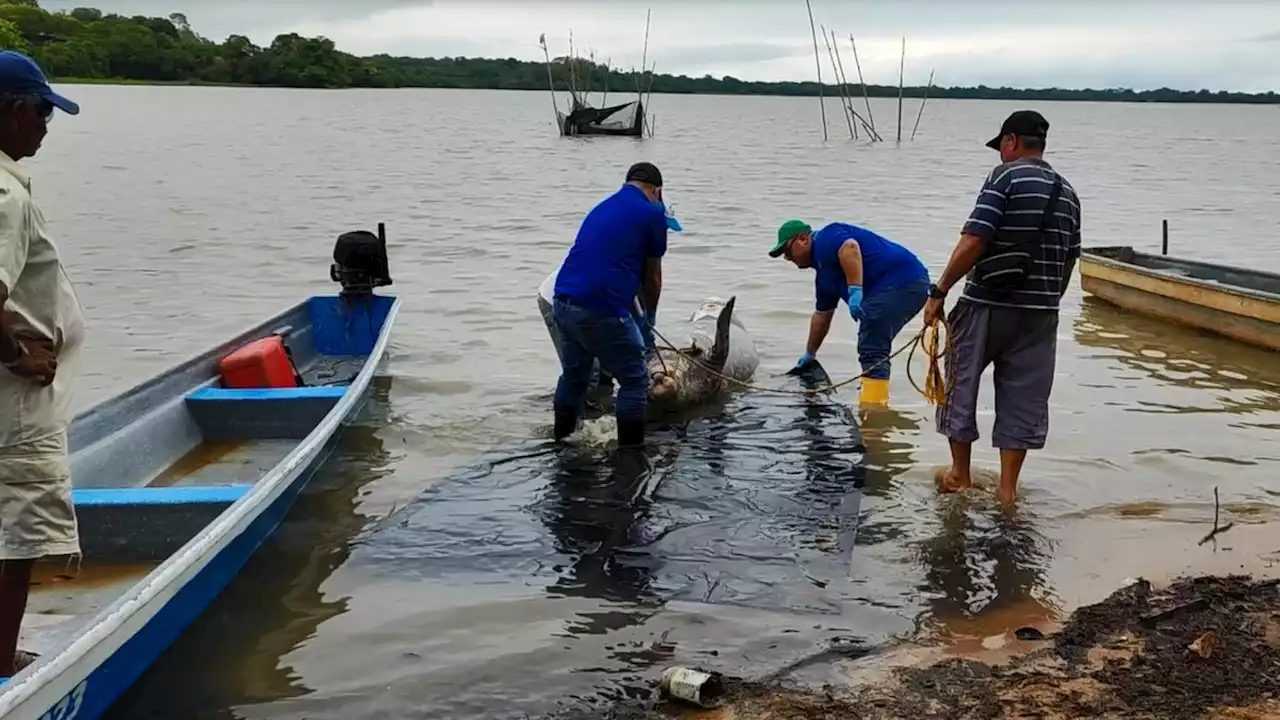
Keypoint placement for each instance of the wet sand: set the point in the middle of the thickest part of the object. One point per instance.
(1203, 647)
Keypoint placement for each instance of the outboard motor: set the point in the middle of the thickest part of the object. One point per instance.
(360, 262)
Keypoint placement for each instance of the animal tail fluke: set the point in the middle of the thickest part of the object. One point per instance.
(720, 350)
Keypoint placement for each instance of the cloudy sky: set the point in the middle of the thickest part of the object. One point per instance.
(1086, 43)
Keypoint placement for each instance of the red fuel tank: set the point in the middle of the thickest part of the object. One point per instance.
(262, 363)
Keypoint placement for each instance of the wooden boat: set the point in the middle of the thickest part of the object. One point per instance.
(1233, 302)
(178, 480)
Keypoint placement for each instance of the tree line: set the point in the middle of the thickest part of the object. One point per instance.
(88, 44)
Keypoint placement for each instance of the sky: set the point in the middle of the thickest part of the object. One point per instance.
(1139, 44)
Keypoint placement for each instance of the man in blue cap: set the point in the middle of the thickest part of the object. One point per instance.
(615, 260)
(883, 284)
(41, 332)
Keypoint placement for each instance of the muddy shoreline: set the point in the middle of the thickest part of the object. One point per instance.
(1203, 647)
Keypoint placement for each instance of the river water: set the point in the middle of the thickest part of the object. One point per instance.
(444, 565)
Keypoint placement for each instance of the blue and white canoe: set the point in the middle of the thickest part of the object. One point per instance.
(177, 482)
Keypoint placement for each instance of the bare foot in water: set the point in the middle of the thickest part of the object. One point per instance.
(1005, 495)
(950, 481)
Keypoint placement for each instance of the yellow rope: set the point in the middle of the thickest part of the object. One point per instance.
(936, 391)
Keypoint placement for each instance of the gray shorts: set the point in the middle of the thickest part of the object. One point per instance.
(1023, 346)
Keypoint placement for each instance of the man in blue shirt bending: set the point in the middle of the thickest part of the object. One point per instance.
(883, 284)
(616, 257)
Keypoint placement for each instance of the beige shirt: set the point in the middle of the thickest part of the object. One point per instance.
(42, 304)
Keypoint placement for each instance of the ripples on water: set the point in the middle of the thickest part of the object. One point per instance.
(758, 534)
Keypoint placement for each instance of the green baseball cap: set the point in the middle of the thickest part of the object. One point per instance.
(786, 232)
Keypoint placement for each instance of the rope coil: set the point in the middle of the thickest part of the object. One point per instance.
(937, 386)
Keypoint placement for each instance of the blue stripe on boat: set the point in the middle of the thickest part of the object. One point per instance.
(181, 495)
(213, 394)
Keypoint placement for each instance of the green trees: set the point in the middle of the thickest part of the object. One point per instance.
(89, 44)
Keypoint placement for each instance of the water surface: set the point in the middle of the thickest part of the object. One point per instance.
(507, 581)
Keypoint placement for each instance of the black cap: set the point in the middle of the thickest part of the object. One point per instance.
(1024, 123)
(645, 172)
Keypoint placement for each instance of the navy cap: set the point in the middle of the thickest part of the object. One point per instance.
(20, 75)
(1023, 123)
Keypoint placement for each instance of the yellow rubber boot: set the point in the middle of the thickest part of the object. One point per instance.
(874, 392)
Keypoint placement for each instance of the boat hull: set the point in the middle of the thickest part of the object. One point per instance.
(1227, 301)
(123, 640)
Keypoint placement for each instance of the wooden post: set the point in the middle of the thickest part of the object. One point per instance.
(1164, 243)
(844, 81)
(840, 86)
(818, 62)
(922, 102)
(902, 67)
(644, 55)
(863, 82)
(551, 82)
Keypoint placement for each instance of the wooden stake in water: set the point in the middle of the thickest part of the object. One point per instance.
(902, 67)
(865, 96)
(817, 61)
(648, 94)
(608, 69)
(844, 80)
(644, 54)
(922, 102)
(551, 83)
(844, 101)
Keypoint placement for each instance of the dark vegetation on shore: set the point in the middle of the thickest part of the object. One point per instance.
(89, 45)
(1205, 647)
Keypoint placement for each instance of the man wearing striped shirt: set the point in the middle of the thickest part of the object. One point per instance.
(1016, 253)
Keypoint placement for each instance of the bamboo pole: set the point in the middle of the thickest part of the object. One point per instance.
(551, 82)
(573, 71)
(865, 96)
(844, 104)
(902, 68)
(644, 55)
(646, 92)
(871, 130)
(822, 104)
(922, 102)
(608, 69)
(644, 107)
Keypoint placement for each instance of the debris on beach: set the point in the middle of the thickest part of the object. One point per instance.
(1205, 647)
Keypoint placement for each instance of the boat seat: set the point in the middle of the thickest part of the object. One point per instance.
(174, 495)
(129, 525)
(261, 413)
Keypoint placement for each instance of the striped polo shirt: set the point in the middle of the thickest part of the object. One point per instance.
(1010, 209)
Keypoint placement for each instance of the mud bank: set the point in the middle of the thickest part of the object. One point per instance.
(1204, 647)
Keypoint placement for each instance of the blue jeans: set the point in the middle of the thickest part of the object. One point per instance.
(602, 377)
(616, 343)
(885, 313)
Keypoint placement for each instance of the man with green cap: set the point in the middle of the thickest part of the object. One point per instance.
(883, 284)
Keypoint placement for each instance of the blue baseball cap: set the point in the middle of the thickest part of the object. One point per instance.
(20, 75)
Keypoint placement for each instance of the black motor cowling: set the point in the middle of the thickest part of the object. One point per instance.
(360, 262)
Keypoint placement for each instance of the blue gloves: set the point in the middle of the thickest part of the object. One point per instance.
(645, 322)
(672, 223)
(855, 303)
(805, 359)
(669, 217)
